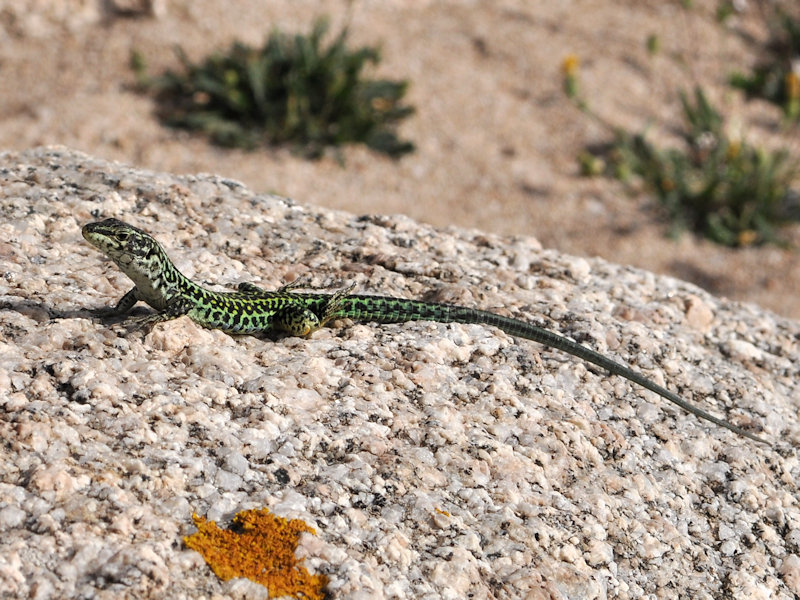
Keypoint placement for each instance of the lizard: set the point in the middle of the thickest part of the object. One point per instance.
(251, 309)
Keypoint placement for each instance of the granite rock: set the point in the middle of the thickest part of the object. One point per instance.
(433, 460)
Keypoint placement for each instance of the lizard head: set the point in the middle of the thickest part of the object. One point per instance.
(130, 248)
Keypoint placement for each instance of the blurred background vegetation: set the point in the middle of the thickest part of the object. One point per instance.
(715, 184)
(295, 89)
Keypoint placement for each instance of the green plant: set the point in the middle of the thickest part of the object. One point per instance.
(725, 10)
(653, 44)
(294, 90)
(777, 77)
(733, 193)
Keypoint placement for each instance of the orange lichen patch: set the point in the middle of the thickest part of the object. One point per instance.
(261, 547)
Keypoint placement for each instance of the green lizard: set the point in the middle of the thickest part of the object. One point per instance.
(251, 309)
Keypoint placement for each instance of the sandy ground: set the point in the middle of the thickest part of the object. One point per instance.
(497, 141)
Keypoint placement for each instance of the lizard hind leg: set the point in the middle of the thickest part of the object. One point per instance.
(300, 282)
(334, 304)
(297, 321)
(251, 288)
(300, 321)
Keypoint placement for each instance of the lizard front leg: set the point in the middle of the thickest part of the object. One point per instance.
(124, 305)
(177, 307)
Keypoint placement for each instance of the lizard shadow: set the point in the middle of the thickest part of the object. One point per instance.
(42, 312)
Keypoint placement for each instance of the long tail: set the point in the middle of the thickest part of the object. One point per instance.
(385, 309)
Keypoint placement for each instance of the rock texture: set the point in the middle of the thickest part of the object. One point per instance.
(434, 461)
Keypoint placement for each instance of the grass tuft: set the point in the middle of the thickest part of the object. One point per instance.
(294, 90)
(733, 193)
(777, 77)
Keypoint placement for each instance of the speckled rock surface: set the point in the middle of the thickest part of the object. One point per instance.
(434, 461)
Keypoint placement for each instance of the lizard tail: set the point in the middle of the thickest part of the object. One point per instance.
(386, 309)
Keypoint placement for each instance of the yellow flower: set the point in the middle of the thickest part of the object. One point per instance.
(733, 149)
(748, 237)
(570, 65)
